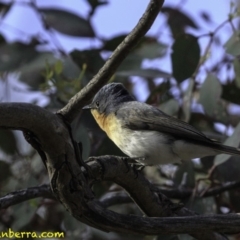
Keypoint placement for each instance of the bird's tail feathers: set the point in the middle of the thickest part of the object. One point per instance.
(227, 149)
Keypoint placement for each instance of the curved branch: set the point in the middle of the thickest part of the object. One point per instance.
(76, 103)
(19, 196)
(120, 197)
(44, 124)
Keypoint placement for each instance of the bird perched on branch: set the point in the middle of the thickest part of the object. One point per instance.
(145, 133)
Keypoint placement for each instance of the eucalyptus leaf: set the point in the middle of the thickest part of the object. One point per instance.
(187, 100)
(178, 20)
(233, 141)
(170, 107)
(15, 55)
(185, 56)
(232, 46)
(23, 213)
(236, 65)
(185, 175)
(32, 73)
(67, 23)
(145, 73)
(210, 93)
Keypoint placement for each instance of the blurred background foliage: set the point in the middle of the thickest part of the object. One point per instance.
(211, 104)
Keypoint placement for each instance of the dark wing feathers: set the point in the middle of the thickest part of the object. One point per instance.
(140, 116)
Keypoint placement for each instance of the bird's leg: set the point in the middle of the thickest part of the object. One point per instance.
(136, 163)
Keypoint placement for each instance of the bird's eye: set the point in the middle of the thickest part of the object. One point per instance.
(97, 104)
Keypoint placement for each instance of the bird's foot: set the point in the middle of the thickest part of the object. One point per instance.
(133, 164)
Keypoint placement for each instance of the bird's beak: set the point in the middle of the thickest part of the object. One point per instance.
(87, 107)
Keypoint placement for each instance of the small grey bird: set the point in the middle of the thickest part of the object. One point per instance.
(146, 133)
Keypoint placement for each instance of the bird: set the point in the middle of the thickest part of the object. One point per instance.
(145, 133)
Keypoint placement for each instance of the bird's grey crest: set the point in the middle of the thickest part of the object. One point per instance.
(110, 96)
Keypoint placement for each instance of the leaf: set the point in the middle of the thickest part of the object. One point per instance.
(4, 8)
(8, 142)
(91, 58)
(160, 94)
(94, 4)
(232, 46)
(23, 213)
(210, 93)
(187, 100)
(236, 65)
(150, 48)
(185, 175)
(170, 107)
(15, 55)
(67, 23)
(145, 73)
(131, 62)
(178, 21)
(32, 73)
(111, 44)
(233, 141)
(185, 56)
(231, 93)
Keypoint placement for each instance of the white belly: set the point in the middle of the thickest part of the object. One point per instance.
(156, 148)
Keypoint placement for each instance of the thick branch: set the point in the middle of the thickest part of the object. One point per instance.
(42, 123)
(76, 103)
(19, 196)
(114, 198)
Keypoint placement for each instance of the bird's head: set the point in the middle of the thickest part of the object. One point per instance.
(109, 98)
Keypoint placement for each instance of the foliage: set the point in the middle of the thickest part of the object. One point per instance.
(179, 93)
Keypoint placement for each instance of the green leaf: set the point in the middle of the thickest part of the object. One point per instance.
(4, 8)
(131, 62)
(236, 65)
(178, 21)
(67, 23)
(96, 3)
(15, 55)
(32, 73)
(58, 67)
(150, 48)
(22, 213)
(185, 175)
(210, 93)
(160, 94)
(232, 46)
(8, 141)
(233, 141)
(91, 58)
(231, 93)
(187, 100)
(170, 107)
(185, 56)
(111, 44)
(145, 73)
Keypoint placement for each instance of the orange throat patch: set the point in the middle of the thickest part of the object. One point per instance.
(107, 123)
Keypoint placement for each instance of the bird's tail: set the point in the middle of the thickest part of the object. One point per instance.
(226, 149)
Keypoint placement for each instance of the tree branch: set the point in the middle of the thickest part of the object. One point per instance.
(76, 103)
(19, 196)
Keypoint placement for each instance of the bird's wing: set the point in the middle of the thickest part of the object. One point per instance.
(140, 116)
